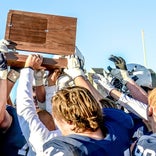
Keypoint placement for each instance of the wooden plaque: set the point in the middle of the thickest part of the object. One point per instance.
(16, 60)
(36, 32)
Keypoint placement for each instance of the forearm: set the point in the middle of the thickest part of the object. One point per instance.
(9, 87)
(115, 94)
(40, 93)
(3, 99)
(33, 129)
(81, 81)
(137, 92)
(5, 118)
(134, 106)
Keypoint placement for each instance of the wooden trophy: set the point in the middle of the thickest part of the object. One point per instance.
(40, 33)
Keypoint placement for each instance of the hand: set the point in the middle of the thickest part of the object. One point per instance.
(120, 74)
(103, 83)
(3, 67)
(64, 81)
(119, 62)
(34, 61)
(73, 62)
(53, 76)
(12, 45)
(6, 44)
(3, 46)
(39, 77)
(73, 68)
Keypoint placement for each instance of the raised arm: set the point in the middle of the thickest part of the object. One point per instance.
(5, 118)
(33, 129)
(130, 104)
(39, 85)
(121, 72)
(75, 71)
(84, 82)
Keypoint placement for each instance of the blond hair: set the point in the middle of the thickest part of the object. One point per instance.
(76, 105)
(152, 98)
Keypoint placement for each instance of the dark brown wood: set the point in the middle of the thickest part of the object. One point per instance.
(18, 60)
(36, 32)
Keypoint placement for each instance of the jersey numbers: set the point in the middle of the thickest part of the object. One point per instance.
(23, 151)
(140, 151)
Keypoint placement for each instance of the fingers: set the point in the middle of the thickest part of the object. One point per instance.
(37, 57)
(114, 59)
(34, 61)
(121, 60)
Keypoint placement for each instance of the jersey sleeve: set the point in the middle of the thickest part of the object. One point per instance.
(134, 106)
(33, 129)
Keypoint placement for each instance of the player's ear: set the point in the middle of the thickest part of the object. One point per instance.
(150, 111)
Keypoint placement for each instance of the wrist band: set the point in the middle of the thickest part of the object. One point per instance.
(13, 75)
(29, 67)
(3, 74)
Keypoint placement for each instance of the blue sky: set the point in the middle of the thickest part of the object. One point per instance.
(103, 27)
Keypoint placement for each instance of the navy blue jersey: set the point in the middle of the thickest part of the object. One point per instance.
(139, 127)
(116, 143)
(12, 141)
(146, 145)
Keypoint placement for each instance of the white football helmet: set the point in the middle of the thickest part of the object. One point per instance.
(140, 74)
(144, 77)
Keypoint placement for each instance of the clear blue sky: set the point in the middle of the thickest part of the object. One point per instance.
(104, 27)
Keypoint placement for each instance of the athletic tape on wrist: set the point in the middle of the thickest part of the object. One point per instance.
(3, 74)
(13, 75)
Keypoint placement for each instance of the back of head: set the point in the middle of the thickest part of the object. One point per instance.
(152, 98)
(146, 144)
(77, 106)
